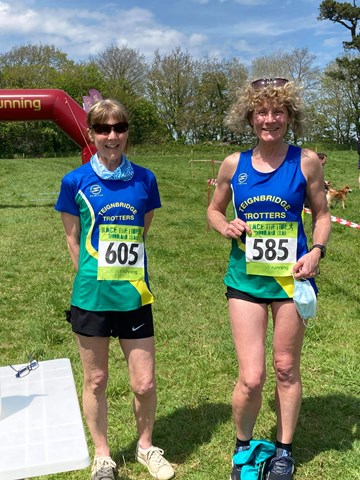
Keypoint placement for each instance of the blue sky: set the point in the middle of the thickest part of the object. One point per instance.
(219, 28)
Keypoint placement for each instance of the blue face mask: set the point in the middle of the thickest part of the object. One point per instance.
(304, 299)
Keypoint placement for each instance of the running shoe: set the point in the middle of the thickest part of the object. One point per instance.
(236, 469)
(236, 472)
(103, 469)
(281, 467)
(157, 465)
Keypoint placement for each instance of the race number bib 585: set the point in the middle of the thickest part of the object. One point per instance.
(271, 249)
(121, 253)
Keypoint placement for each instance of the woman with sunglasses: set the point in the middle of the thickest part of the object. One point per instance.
(267, 186)
(107, 207)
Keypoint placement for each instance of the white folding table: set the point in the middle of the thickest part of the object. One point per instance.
(41, 429)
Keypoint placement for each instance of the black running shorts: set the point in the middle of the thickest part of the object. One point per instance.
(234, 293)
(131, 324)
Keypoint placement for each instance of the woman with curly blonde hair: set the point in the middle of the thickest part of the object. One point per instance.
(267, 186)
(239, 117)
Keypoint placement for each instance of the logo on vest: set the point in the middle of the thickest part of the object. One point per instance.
(242, 178)
(95, 190)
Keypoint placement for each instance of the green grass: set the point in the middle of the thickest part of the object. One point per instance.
(196, 363)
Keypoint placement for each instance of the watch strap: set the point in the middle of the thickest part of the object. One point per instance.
(322, 249)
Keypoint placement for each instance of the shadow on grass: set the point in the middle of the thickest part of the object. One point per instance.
(183, 431)
(326, 423)
(342, 291)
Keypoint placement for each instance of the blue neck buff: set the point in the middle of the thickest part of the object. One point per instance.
(124, 171)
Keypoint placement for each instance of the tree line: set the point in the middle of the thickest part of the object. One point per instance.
(178, 99)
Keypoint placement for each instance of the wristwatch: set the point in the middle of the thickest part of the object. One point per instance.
(322, 249)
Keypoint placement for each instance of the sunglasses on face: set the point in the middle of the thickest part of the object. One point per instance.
(106, 128)
(265, 82)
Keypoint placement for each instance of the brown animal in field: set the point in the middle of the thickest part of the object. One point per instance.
(327, 185)
(334, 196)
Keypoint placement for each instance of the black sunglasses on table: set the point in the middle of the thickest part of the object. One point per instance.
(106, 128)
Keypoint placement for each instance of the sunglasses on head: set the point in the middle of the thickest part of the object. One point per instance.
(265, 82)
(106, 128)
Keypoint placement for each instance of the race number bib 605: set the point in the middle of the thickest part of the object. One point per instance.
(271, 249)
(121, 253)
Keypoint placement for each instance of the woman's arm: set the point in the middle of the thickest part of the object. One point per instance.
(307, 265)
(216, 212)
(147, 222)
(72, 233)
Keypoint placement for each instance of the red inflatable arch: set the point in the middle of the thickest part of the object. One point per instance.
(48, 104)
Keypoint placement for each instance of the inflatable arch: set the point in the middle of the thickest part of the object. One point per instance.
(48, 104)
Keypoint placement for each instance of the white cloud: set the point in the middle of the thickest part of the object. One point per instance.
(331, 42)
(260, 29)
(246, 2)
(219, 28)
(251, 2)
(83, 32)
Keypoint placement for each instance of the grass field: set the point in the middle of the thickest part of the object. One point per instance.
(196, 363)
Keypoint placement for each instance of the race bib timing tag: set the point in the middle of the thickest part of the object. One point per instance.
(121, 253)
(271, 249)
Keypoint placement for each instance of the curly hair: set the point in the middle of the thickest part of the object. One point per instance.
(239, 117)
